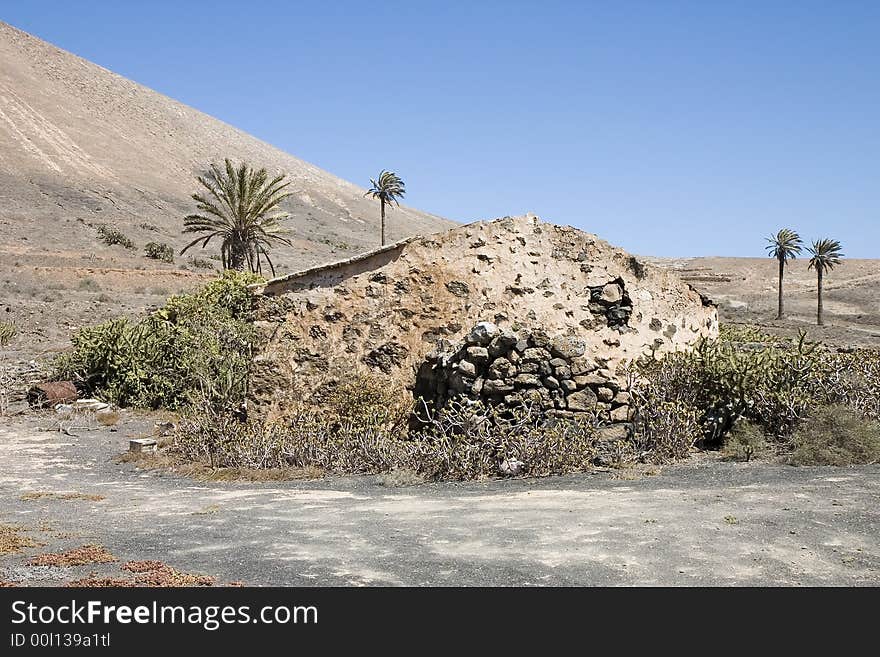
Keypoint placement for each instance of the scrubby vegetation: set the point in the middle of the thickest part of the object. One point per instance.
(761, 390)
(745, 442)
(159, 251)
(111, 236)
(466, 440)
(751, 398)
(7, 333)
(196, 347)
(834, 435)
(200, 263)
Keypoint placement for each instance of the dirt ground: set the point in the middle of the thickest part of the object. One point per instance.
(704, 522)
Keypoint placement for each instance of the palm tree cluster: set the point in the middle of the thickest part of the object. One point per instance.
(825, 254)
(241, 209)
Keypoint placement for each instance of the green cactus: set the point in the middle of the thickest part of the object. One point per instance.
(196, 346)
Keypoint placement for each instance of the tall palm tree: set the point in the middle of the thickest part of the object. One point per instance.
(388, 187)
(784, 246)
(241, 208)
(825, 254)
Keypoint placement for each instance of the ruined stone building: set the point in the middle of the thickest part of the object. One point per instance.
(562, 310)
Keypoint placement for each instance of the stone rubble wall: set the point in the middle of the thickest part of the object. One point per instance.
(551, 375)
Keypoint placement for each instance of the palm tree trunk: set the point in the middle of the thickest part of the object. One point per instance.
(780, 312)
(383, 223)
(237, 258)
(819, 306)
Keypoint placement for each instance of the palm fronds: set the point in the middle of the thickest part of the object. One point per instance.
(825, 254)
(785, 245)
(241, 207)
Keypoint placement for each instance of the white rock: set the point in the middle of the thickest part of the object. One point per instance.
(511, 467)
(482, 333)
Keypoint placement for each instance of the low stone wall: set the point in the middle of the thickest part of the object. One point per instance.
(552, 374)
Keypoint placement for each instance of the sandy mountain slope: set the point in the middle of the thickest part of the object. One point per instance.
(81, 146)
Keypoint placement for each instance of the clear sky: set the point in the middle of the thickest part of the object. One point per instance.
(667, 127)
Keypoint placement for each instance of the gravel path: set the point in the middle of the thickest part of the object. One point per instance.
(701, 523)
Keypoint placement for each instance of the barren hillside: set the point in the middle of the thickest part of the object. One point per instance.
(81, 146)
(745, 291)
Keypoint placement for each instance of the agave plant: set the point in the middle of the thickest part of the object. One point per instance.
(784, 246)
(241, 208)
(825, 253)
(388, 188)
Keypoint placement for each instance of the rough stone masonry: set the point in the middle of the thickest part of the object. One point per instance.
(384, 312)
(551, 376)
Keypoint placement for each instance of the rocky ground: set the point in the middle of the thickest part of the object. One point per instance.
(703, 522)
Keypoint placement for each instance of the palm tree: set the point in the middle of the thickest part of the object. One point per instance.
(241, 208)
(825, 254)
(784, 246)
(388, 187)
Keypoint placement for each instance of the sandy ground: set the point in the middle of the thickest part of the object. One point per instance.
(701, 523)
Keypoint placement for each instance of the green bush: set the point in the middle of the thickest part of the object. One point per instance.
(111, 236)
(159, 251)
(197, 347)
(835, 435)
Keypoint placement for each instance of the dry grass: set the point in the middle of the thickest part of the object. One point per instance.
(203, 472)
(44, 495)
(630, 471)
(80, 556)
(208, 510)
(107, 418)
(146, 574)
(12, 541)
(401, 477)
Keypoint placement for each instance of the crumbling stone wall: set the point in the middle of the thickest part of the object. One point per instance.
(551, 375)
(382, 313)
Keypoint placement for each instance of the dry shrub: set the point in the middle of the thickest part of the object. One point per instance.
(465, 440)
(401, 477)
(835, 435)
(745, 442)
(12, 541)
(172, 459)
(80, 556)
(663, 430)
(7, 333)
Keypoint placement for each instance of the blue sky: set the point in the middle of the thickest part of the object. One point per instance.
(669, 128)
